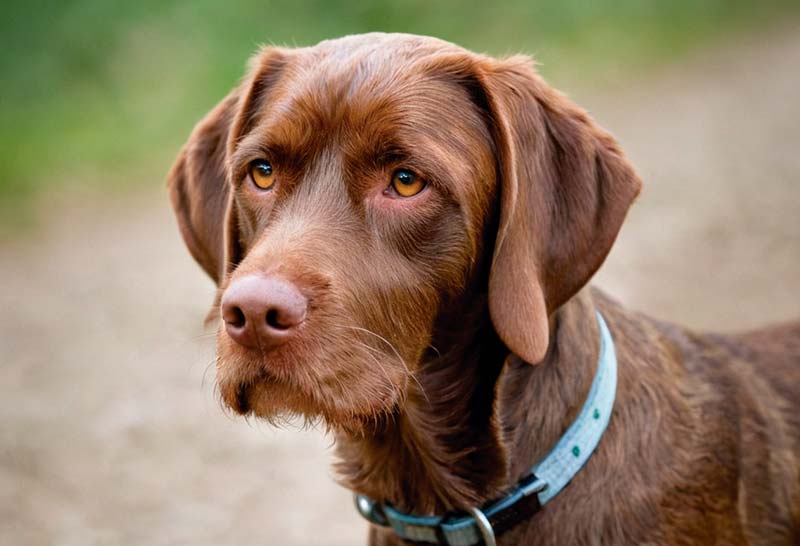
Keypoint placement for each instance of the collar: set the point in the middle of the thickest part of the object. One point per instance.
(527, 496)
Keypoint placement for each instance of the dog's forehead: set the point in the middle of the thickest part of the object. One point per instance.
(381, 48)
(369, 68)
(369, 101)
(376, 87)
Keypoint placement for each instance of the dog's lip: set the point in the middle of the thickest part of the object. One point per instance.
(240, 394)
(241, 402)
(270, 398)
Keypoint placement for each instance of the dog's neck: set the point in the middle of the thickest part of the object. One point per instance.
(479, 418)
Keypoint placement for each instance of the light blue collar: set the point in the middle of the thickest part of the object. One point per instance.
(545, 481)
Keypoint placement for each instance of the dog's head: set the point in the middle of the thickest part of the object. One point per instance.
(348, 197)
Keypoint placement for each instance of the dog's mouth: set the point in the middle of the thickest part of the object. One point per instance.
(343, 390)
(247, 397)
(240, 402)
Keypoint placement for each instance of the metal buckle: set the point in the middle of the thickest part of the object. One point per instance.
(484, 526)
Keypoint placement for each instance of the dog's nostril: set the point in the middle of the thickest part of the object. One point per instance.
(234, 316)
(274, 321)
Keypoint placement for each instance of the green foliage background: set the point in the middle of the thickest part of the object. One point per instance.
(101, 93)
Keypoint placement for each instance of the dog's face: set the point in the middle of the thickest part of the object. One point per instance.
(346, 196)
(366, 214)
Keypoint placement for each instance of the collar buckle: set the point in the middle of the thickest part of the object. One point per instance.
(484, 525)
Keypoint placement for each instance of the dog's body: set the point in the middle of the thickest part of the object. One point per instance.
(702, 447)
(398, 228)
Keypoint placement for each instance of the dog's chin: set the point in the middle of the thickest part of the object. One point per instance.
(355, 405)
(280, 405)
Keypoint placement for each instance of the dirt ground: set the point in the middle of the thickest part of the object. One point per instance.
(109, 429)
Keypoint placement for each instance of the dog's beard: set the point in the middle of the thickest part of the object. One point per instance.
(356, 391)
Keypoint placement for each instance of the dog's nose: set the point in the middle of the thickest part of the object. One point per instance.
(261, 312)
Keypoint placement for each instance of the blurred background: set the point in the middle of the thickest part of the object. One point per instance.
(109, 429)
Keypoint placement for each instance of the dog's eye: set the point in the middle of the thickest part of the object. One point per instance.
(261, 174)
(406, 184)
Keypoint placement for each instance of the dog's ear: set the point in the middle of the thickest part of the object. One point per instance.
(198, 180)
(565, 188)
(199, 191)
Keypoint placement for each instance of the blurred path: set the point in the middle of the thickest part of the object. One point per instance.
(714, 240)
(108, 434)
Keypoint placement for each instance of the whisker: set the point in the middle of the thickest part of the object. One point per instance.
(438, 353)
(397, 353)
(205, 372)
(204, 335)
(377, 362)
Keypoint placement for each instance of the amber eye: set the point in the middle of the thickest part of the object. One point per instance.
(261, 174)
(406, 183)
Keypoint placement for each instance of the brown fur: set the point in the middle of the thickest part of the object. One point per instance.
(425, 312)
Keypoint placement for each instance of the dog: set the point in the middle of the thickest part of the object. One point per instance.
(402, 233)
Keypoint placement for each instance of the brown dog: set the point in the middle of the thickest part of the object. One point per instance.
(401, 232)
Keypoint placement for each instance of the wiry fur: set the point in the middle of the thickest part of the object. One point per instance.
(425, 313)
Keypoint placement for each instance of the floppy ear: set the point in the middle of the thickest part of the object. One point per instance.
(199, 190)
(565, 188)
(198, 181)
